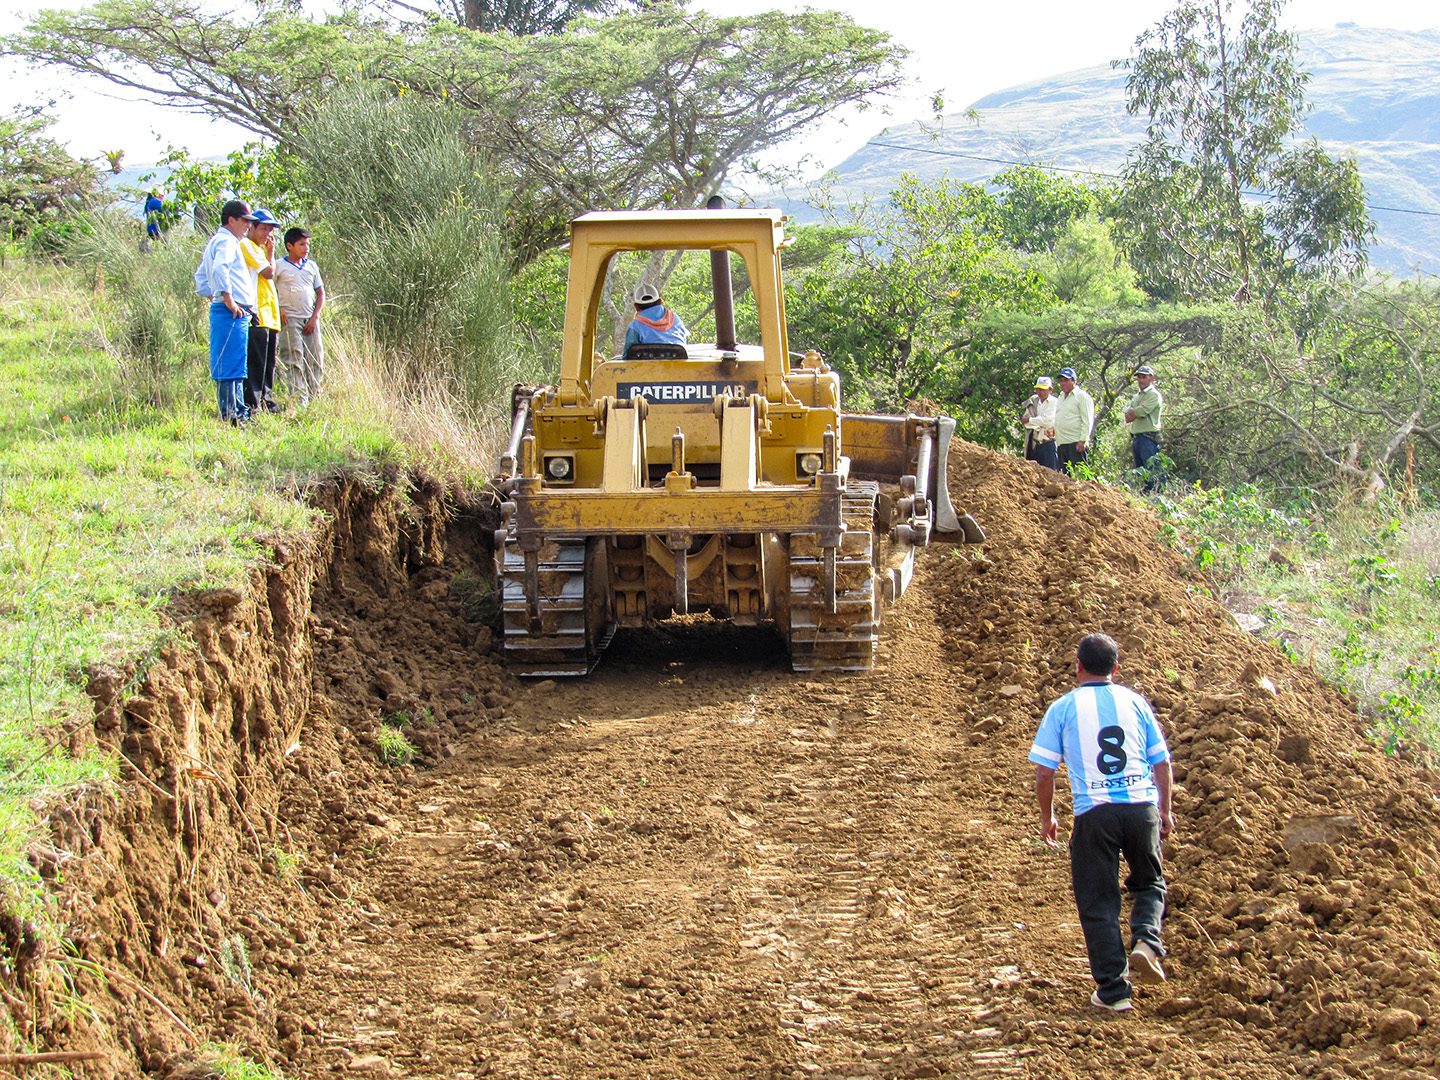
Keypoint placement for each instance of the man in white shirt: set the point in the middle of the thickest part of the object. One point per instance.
(1074, 422)
(301, 290)
(1039, 420)
(224, 277)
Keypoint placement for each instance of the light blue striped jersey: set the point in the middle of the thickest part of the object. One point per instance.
(1108, 738)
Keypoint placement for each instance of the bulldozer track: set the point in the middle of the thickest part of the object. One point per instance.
(568, 641)
(843, 639)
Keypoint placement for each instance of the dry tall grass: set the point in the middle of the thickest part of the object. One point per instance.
(446, 434)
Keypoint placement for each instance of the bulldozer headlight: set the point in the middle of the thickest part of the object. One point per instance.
(560, 467)
(808, 463)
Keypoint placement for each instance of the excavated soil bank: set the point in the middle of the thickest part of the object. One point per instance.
(694, 863)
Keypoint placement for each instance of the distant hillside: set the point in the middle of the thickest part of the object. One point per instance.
(1375, 94)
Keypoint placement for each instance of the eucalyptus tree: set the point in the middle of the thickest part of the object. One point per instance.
(1220, 201)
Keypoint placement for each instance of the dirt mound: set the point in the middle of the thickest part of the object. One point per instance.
(1305, 863)
(695, 863)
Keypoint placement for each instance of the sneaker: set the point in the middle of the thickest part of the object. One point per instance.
(1145, 964)
(1123, 1005)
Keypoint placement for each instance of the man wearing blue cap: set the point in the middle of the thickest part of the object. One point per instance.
(1074, 422)
(259, 250)
(1143, 416)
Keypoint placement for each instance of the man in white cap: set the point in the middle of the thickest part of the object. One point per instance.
(1143, 416)
(654, 323)
(1039, 420)
(1074, 421)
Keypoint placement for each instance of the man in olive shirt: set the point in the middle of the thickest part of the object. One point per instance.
(1143, 416)
(1074, 421)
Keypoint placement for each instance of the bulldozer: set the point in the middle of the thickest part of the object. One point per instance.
(720, 478)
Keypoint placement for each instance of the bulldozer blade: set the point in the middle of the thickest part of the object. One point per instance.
(883, 448)
(971, 528)
(945, 518)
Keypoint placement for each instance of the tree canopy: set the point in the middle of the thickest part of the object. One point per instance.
(39, 180)
(647, 108)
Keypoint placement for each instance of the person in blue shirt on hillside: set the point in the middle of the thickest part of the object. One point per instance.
(1109, 740)
(154, 208)
(654, 323)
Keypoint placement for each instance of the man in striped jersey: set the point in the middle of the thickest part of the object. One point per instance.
(1107, 737)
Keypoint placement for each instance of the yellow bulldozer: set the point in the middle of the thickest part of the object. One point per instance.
(720, 477)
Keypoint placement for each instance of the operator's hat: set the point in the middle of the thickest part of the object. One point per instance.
(1067, 373)
(1044, 383)
(1145, 369)
(646, 293)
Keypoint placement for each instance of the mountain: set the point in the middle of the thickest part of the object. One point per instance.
(1375, 95)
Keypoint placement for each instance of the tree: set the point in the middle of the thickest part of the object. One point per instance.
(1034, 206)
(262, 74)
(892, 307)
(1105, 346)
(1085, 268)
(1358, 400)
(523, 17)
(655, 108)
(40, 183)
(1223, 103)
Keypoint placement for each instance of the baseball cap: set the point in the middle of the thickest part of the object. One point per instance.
(1067, 373)
(261, 216)
(236, 208)
(1145, 369)
(646, 293)
(1044, 383)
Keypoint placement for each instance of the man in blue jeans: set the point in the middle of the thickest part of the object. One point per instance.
(1107, 737)
(1143, 418)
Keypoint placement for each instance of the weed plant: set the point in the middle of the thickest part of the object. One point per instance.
(222, 1061)
(235, 963)
(418, 238)
(392, 747)
(478, 597)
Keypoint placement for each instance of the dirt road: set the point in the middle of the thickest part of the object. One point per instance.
(694, 863)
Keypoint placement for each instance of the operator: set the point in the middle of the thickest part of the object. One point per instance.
(1039, 420)
(1110, 742)
(654, 323)
(1143, 416)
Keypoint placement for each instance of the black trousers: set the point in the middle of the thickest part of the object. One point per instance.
(1070, 457)
(1101, 836)
(260, 368)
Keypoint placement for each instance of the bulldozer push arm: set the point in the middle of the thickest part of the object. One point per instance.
(718, 477)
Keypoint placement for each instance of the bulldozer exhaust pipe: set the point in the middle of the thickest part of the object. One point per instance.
(724, 290)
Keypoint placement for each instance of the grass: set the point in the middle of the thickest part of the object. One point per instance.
(222, 1061)
(119, 488)
(393, 747)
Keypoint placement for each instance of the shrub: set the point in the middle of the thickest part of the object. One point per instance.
(416, 227)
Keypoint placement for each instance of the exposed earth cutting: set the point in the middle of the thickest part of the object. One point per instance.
(696, 863)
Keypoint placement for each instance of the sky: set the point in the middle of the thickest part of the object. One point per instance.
(963, 49)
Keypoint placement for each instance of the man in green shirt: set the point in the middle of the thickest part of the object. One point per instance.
(1143, 416)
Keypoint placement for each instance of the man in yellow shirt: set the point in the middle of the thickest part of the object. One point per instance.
(258, 247)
